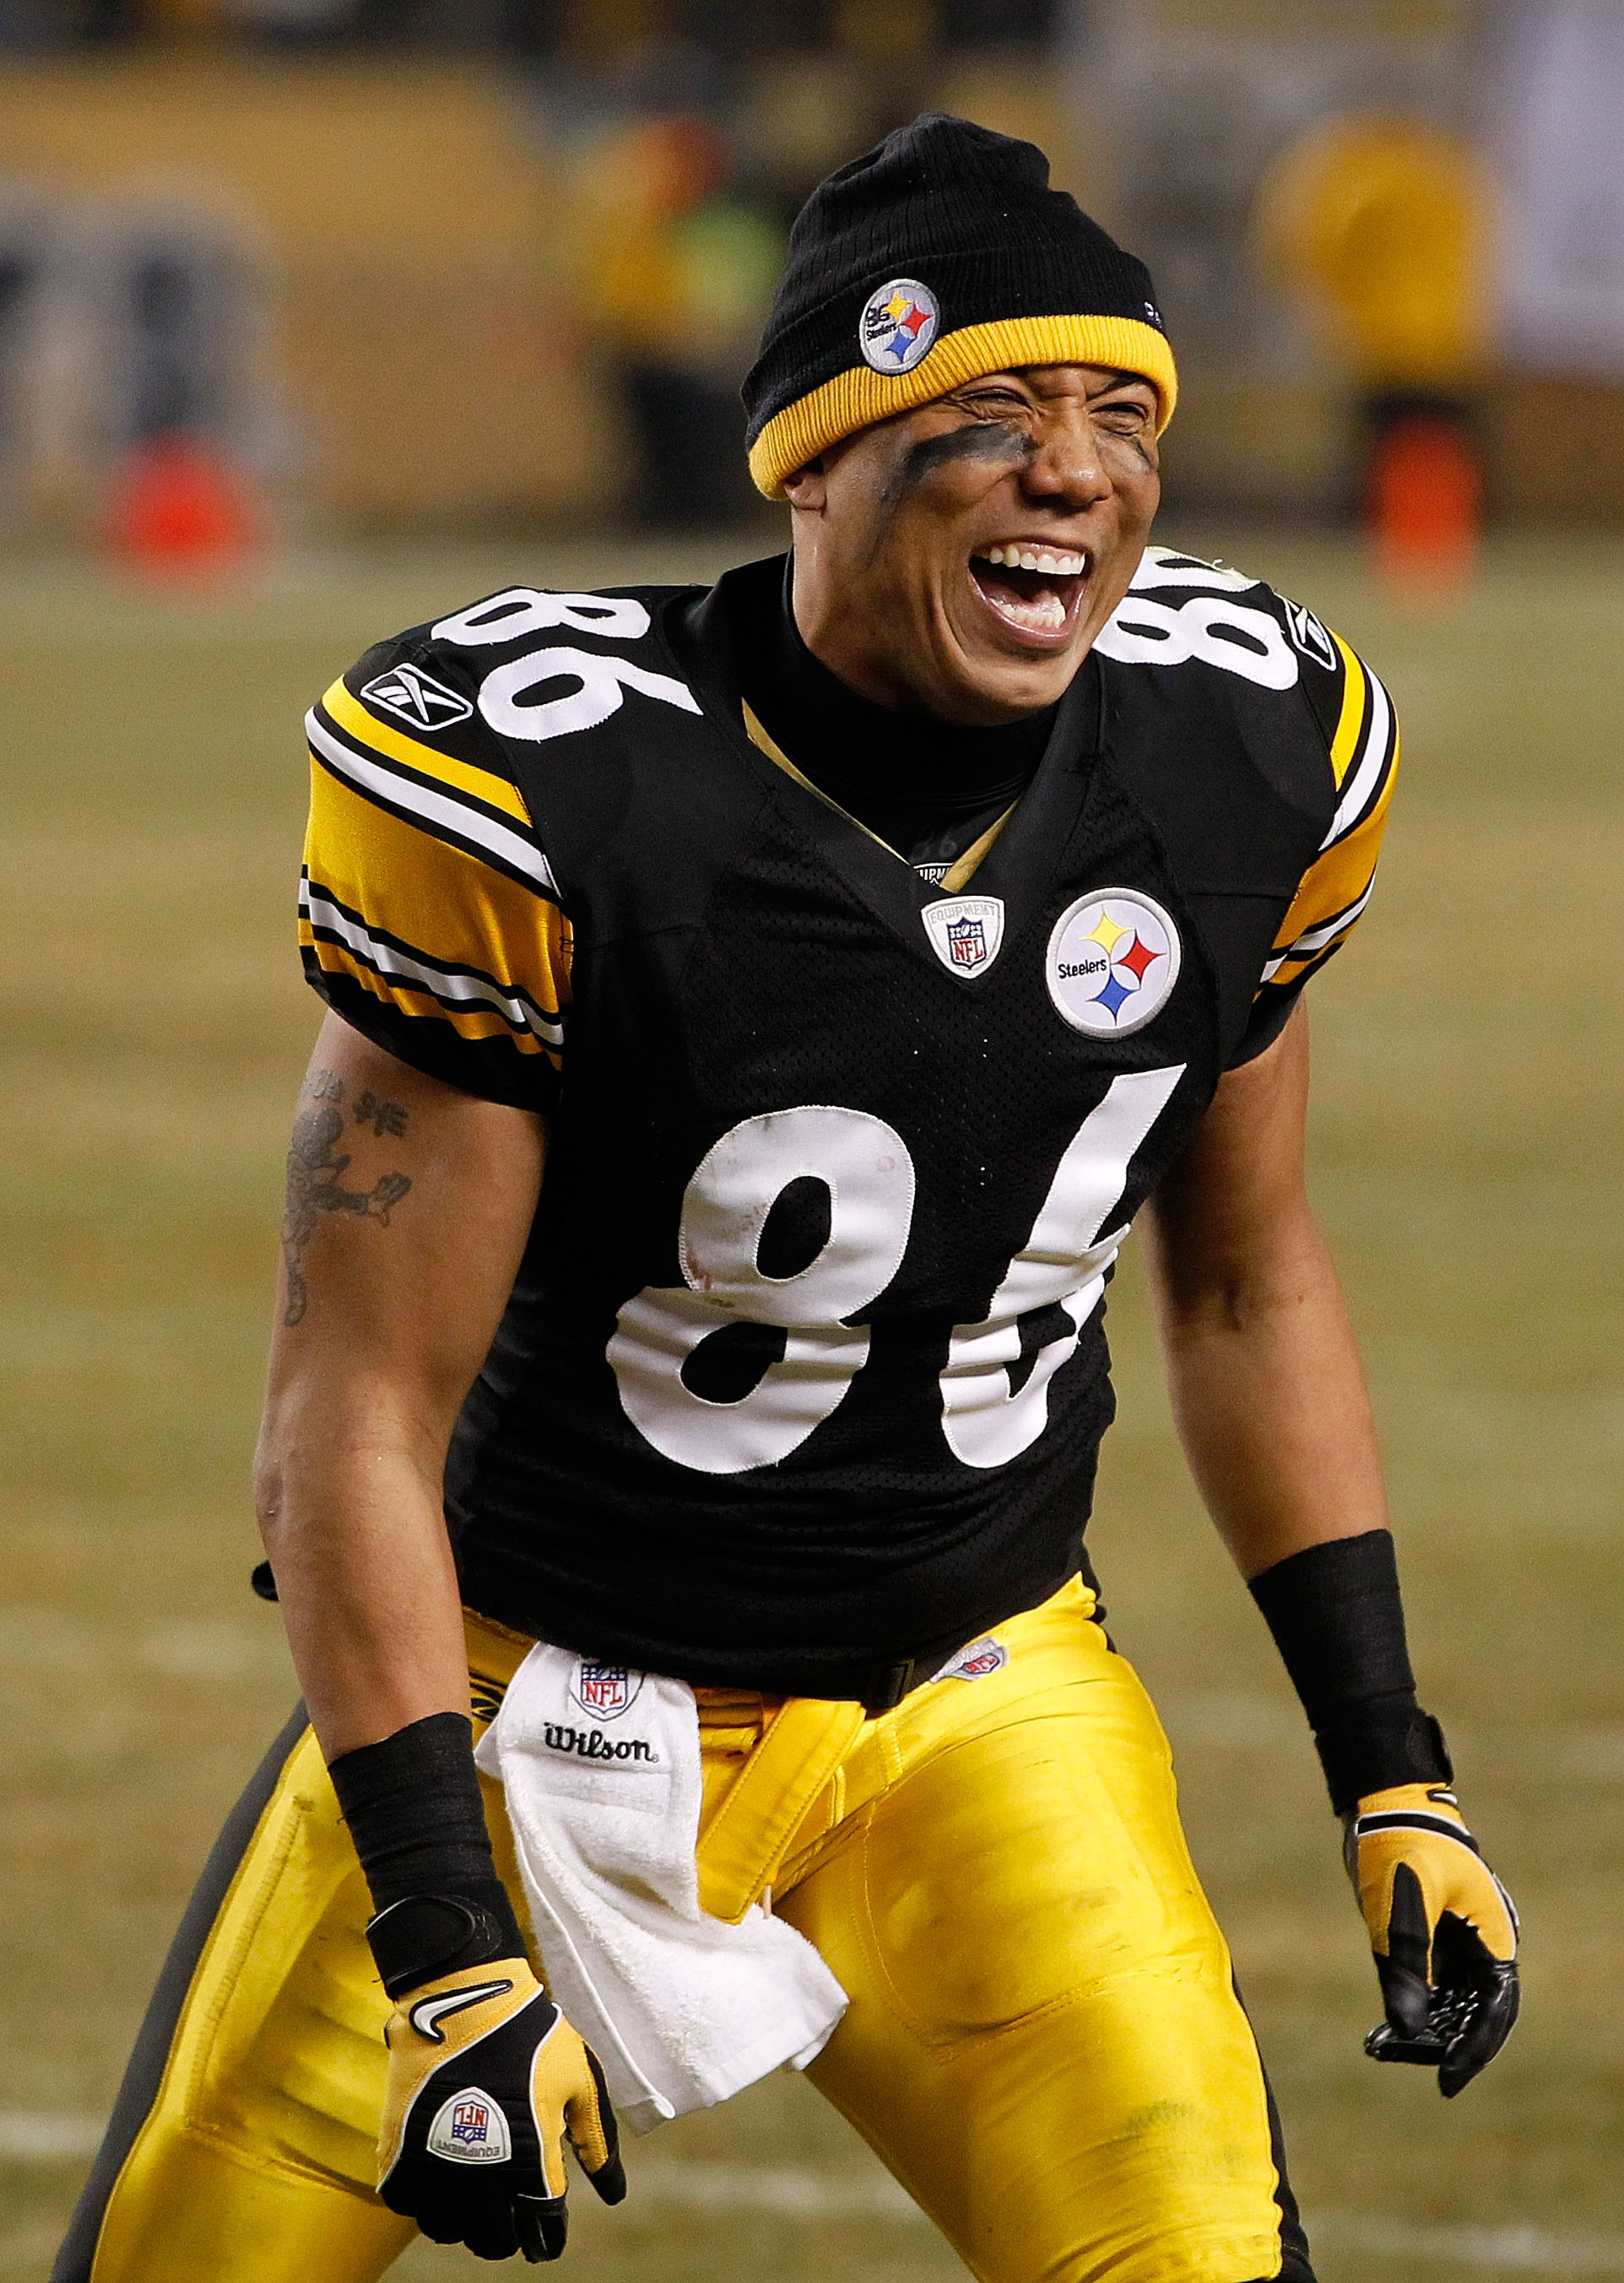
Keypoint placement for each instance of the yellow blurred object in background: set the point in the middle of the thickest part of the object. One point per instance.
(1381, 225)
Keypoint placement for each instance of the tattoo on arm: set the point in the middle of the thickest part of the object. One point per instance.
(383, 1117)
(315, 1176)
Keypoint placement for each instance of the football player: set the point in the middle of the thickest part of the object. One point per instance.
(755, 1018)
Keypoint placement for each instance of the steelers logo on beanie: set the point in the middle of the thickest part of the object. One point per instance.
(939, 256)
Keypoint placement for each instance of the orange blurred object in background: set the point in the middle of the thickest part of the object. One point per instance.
(178, 508)
(1424, 503)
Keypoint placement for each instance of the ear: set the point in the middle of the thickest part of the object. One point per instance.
(808, 488)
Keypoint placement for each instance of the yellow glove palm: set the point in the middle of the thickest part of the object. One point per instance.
(1442, 1930)
(487, 2081)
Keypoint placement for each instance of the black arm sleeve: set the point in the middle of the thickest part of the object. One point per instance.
(1338, 1621)
(413, 1811)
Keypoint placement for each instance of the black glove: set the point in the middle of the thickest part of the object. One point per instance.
(487, 2081)
(1442, 1929)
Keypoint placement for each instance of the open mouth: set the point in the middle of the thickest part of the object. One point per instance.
(1037, 590)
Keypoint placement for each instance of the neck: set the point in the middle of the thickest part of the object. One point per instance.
(921, 785)
(841, 730)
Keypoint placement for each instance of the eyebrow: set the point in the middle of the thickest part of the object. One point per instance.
(1118, 379)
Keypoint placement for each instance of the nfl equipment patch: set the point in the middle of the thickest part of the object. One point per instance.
(471, 2129)
(965, 931)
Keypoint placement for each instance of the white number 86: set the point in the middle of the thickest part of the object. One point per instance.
(990, 1414)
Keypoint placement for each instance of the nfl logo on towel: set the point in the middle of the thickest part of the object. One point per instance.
(604, 1690)
(965, 931)
(470, 2120)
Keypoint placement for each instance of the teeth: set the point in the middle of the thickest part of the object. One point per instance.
(1064, 566)
(1047, 615)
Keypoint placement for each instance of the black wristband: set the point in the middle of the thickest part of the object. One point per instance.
(422, 1936)
(413, 1811)
(1338, 1621)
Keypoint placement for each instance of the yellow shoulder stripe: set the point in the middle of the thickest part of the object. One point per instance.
(496, 792)
(474, 1023)
(1335, 883)
(457, 910)
(1345, 742)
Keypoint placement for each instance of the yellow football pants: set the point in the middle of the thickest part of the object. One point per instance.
(1044, 2043)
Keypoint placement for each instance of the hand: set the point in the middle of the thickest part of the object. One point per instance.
(1442, 1929)
(487, 2081)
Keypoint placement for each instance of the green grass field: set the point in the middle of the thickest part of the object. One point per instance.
(1470, 1097)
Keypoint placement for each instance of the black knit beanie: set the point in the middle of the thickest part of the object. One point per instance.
(940, 256)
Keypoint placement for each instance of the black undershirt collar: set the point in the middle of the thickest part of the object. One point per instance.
(926, 788)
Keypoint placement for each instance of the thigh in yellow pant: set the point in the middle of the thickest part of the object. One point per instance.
(1044, 2042)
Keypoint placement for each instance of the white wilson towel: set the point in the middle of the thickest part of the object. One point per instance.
(601, 1769)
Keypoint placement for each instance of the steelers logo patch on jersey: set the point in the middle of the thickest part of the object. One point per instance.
(1113, 959)
(897, 325)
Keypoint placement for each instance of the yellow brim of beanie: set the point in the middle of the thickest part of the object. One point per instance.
(860, 397)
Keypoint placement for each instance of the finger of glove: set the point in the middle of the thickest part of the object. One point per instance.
(1484, 2035)
(492, 2237)
(542, 2224)
(558, 2075)
(1477, 1897)
(450, 2220)
(1402, 1963)
(593, 2134)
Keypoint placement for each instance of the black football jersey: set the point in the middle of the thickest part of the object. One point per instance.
(805, 1371)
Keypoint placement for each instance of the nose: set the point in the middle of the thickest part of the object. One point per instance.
(1067, 471)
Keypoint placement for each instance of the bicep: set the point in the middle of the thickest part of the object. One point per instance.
(1236, 1196)
(409, 1204)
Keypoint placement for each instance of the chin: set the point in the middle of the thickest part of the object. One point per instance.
(994, 686)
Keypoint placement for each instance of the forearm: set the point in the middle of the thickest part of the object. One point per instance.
(1270, 1402)
(354, 1530)
(1270, 1398)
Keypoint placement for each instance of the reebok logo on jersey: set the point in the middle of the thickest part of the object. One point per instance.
(427, 2015)
(1309, 637)
(416, 697)
(471, 2129)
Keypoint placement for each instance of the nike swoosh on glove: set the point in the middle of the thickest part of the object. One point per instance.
(487, 2081)
(1442, 1929)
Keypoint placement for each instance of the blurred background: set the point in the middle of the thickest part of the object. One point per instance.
(318, 318)
(307, 270)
